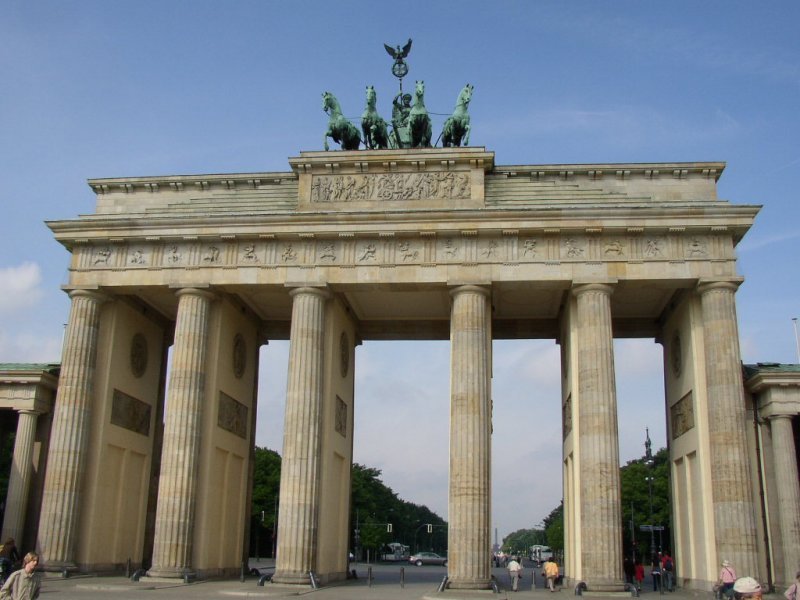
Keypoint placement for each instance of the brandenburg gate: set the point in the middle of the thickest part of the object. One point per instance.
(151, 450)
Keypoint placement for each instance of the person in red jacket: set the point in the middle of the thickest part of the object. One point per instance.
(639, 574)
(668, 571)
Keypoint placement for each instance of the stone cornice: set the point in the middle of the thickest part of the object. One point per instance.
(621, 171)
(179, 183)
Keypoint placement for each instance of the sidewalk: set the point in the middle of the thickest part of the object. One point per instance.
(420, 583)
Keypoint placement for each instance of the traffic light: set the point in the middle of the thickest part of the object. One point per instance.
(388, 528)
(430, 528)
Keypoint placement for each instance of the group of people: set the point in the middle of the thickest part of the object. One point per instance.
(550, 572)
(20, 584)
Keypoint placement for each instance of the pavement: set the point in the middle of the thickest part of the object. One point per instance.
(418, 583)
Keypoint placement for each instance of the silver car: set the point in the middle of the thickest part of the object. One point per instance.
(427, 558)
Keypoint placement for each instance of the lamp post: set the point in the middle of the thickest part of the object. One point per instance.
(648, 454)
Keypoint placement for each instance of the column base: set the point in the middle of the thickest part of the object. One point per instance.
(291, 577)
(469, 584)
(63, 567)
(171, 573)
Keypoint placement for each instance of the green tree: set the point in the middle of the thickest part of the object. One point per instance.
(521, 540)
(636, 503)
(374, 505)
(554, 528)
(264, 505)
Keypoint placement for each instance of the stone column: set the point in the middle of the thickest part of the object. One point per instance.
(177, 489)
(469, 509)
(784, 456)
(69, 436)
(20, 478)
(601, 516)
(734, 514)
(299, 495)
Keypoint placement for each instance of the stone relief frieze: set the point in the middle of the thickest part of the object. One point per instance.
(211, 255)
(367, 253)
(529, 248)
(407, 253)
(340, 420)
(173, 255)
(386, 187)
(130, 413)
(249, 254)
(102, 256)
(682, 416)
(573, 248)
(232, 415)
(654, 248)
(138, 257)
(613, 247)
(697, 248)
(508, 247)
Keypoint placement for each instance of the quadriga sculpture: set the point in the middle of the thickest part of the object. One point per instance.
(340, 130)
(456, 127)
(373, 126)
(419, 121)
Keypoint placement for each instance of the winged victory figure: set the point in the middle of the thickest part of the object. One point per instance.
(398, 54)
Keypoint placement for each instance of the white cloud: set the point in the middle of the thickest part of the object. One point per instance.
(21, 287)
(27, 347)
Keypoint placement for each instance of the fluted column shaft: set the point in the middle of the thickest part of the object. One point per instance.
(299, 492)
(601, 517)
(177, 488)
(469, 512)
(19, 481)
(785, 468)
(69, 437)
(734, 515)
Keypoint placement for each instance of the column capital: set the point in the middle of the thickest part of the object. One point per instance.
(196, 291)
(778, 416)
(307, 289)
(92, 294)
(709, 285)
(579, 288)
(475, 289)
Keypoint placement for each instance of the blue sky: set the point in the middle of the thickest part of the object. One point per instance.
(128, 88)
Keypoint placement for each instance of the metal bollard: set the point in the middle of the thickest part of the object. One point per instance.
(369, 576)
(402, 577)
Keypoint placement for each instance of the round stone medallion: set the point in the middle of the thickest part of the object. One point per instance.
(239, 355)
(344, 354)
(138, 355)
(676, 354)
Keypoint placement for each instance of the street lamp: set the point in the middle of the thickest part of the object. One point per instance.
(648, 456)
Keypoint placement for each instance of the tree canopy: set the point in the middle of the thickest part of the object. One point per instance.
(373, 507)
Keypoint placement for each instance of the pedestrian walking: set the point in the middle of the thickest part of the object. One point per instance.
(551, 573)
(668, 572)
(791, 592)
(515, 572)
(727, 577)
(25, 583)
(638, 573)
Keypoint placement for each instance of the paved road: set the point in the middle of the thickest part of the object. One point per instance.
(420, 582)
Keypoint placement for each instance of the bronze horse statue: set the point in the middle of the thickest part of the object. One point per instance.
(456, 127)
(340, 130)
(376, 135)
(419, 121)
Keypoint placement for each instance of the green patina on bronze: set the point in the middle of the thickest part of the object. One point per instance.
(376, 137)
(411, 122)
(340, 130)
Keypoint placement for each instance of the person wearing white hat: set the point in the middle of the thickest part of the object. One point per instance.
(747, 587)
(727, 577)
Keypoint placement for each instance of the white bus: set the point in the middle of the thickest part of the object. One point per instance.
(540, 554)
(394, 551)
